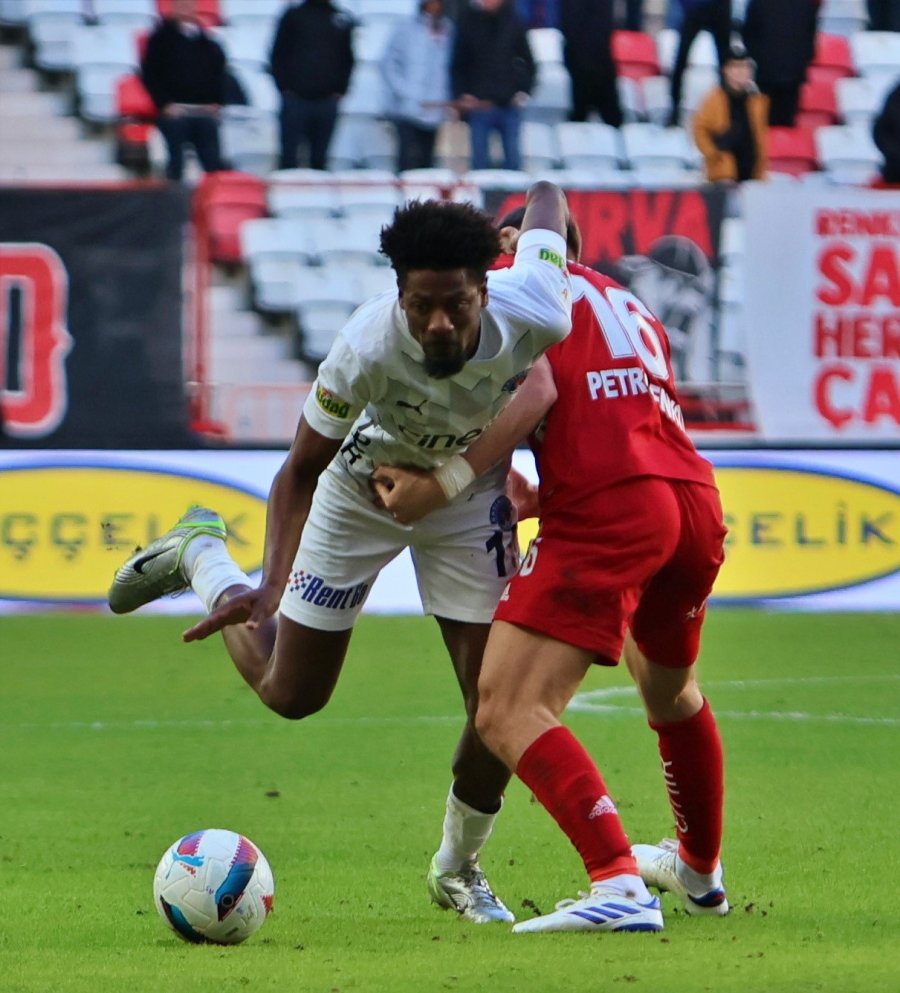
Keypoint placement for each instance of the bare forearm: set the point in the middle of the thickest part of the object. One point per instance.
(546, 208)
(288, 507)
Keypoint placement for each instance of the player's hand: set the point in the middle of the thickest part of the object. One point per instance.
(407, 494)
(523, 494)
(250, 608)
(509, 239)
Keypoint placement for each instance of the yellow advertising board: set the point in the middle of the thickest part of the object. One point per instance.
(793, 531)
(65, 529)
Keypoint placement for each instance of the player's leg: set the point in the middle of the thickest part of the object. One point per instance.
(660, 653)
(463, 556)
(455, 877)
(527, 680)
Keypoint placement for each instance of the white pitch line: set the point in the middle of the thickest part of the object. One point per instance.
(590, 701)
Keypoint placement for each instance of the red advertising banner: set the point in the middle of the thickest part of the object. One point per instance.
(822, 306)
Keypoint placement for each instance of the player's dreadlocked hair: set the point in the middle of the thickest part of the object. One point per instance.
(440, 235)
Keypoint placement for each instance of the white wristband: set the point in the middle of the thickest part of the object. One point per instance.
(454, 476)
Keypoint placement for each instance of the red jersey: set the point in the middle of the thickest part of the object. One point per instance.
(618, 416)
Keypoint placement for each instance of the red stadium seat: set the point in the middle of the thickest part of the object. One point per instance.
(132, 100)
(832, 61)
(225, 200)
(818, 105)
(136, 114)
(792, 151)
(207, 11)
(634, 53)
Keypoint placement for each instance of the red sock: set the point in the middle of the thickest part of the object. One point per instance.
(565, 780)
(691, 753)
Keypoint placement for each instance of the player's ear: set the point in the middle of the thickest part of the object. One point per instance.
(483, 292)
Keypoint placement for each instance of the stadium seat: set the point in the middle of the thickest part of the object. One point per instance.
(366, 95)
(303, 201)
(136, 15)
(843, 17)
(259, 88)
(228, 200)
(102, 54)
(253, 13)
(791, 151)
(538, 146)
(876, 54)
(589, 145)
(362, 142)
(859, 100)
(848, 154)
(732, 241)
(370, 40)
(635, 54)
(832, 60)
(818, 106)
(276, 252)
(702, 52)
(427, 184)
(249, 138)
(12, 13)
(656, 94)
(696, 83)
(51, 28)
(326, 297)
(513, 180)
(246, 45)
(649, 147)
(631, 99)
(552, 97)
(135, 114)
(546, 45)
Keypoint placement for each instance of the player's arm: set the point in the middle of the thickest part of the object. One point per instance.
(409, 494)
(546, 209)
(290, 498)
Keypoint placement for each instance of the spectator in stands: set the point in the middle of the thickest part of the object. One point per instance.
(730, 125)
(781, 37)
(698, 15)
(311, 62)
(183, 70)
(538, 13)
(587, 28)
(492, 74)
(634, 15)
(416, 71)
(884, 15)
(886, 132)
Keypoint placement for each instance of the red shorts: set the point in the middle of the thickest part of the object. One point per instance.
(648, 564)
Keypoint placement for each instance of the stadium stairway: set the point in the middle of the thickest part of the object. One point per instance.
(39, 142)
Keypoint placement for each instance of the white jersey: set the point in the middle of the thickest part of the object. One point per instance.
(373, 386)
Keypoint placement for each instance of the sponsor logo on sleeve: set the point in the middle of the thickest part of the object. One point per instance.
(554, 258)
(332, 404)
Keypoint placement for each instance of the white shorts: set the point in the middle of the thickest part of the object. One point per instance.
(464, 554)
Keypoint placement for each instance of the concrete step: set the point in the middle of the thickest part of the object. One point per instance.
(15, 80)
(33, 104)
(62, 173)
(20, 128)
(74, 156)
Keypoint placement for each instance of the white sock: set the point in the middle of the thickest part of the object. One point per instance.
(625, 885)
(211, 570)
(698, 883)
(465, 831)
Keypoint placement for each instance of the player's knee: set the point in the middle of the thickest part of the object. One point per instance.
(490, 723)
(290, 703)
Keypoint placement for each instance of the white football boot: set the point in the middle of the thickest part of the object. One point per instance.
(468, 892)
(156, 570)
(659, 867)
(602, 909)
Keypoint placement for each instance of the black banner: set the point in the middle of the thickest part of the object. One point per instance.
(91, 315)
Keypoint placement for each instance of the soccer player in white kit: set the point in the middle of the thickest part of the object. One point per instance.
(412, 379)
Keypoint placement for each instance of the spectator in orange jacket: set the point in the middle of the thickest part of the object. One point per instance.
(731, 123)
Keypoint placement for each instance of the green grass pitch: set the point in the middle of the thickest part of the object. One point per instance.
(116, 739)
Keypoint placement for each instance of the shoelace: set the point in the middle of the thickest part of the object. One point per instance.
(476, 880)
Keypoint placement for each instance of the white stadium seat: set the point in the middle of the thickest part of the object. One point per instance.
(859, 100)
(876, 54)
(702, 52)
(498, 179)
(249, 138)
(847, 154)
(843, 17)
(589, 145)
(649, 147)
(657, 97)
(546, 45)
(552, 96)
(538, 146)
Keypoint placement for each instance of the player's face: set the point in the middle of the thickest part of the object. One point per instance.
(443, 311)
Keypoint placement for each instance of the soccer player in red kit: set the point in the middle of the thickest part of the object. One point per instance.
(631, 541)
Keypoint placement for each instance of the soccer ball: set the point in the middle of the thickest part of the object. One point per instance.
(214, 886)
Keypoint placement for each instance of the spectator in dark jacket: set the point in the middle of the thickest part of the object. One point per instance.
(183, 70)
(698, 15)
(781, 38)
(884, 15)
(492, 73)
(311, 61)
(886, 132)
(587, 27)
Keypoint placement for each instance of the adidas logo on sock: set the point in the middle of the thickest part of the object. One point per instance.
(603, 806)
